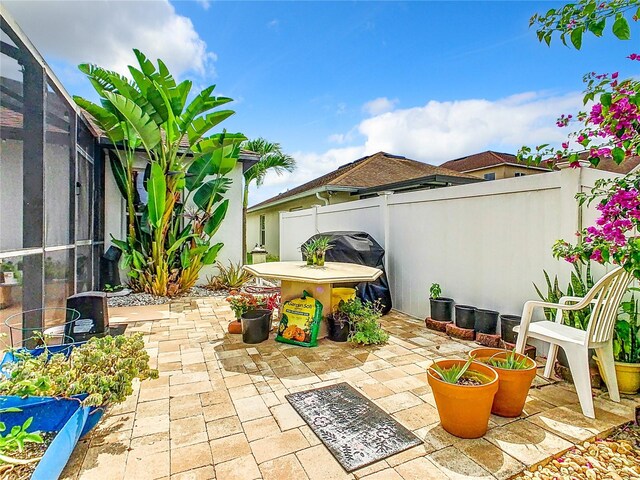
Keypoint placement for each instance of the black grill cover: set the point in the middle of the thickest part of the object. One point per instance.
(361, 248)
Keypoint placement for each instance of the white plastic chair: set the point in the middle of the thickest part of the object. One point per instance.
(605, 298)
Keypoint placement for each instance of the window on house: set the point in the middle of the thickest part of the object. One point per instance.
(519, 174)
(263, 235)
(489, 176)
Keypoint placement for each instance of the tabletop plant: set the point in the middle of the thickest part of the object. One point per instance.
(435, 291)
(149, 114)
(103, 368)
(315, 250)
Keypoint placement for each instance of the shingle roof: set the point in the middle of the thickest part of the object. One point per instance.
(482, 160)
(372, 171)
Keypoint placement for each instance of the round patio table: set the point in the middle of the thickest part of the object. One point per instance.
(296, 277)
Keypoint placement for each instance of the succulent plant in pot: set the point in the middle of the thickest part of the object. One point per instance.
(464, 392)
(441, 307)
(515, 374)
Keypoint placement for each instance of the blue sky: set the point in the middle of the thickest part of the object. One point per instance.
(332, 81)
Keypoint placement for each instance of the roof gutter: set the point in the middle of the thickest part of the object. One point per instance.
(433, 180)
(306, 193)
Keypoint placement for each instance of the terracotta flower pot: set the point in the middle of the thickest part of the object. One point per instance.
(464, 409)
(513, 385)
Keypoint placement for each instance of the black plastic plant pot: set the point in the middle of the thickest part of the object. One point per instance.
(487, 321)
(466, 316)
(338, 331)
(441, 309)
(256, 325)
(507, 322)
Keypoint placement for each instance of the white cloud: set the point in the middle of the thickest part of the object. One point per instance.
(204, 4)
(437, 132)
(379, 105)
(274, 24)
(441, 131)
(105, 33)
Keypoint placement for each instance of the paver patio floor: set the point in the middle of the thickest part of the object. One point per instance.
(219, 411)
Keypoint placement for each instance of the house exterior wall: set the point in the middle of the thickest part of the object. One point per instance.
(484, 243)
(272, 218)
(230, 233)
(504, 171)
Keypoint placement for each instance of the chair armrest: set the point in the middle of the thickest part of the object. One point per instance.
(566, 299)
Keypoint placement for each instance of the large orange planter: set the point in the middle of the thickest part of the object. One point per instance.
(464, 410)
(513, 384)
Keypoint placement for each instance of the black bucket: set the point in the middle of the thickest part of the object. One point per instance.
(338, 331)
(487, 321)
(441, 309)
(466, 316)
(507, 322)
(256, 325)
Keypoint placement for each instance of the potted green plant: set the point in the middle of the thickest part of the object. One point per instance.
(515, 374)
(441, 307)
(314, 250)
(359, 321)
(339, 322)
(323, 244)
(579, 284)
(626, 347)
(464, 392)
(241, 303)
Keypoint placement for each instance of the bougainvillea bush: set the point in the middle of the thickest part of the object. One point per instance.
(609, 126)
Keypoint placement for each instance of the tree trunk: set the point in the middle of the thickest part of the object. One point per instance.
(245, 202)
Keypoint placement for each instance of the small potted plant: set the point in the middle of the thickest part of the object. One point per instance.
(515, 374)
(314, 250)
(441, 307)
(626, 348)
(464, 392)
(339, 323)
(323, 244)
(365, 322)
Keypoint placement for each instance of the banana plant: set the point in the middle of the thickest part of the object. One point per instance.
(186, 180)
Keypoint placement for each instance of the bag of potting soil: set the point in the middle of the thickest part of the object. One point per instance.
(300, 321)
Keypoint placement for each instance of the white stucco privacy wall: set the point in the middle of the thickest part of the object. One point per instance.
(230, 233)
(484, 243)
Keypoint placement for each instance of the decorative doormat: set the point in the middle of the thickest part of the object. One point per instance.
(355, 430)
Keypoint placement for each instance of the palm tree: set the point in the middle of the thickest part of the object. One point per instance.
(272, 159)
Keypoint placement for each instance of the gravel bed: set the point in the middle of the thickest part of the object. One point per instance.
(140, 299)
(614, 458)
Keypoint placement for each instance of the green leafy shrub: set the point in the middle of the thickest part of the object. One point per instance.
(104, 368)
(363, 319)
(231, 277)
(435, 291)
(579, 284)
(626, 335)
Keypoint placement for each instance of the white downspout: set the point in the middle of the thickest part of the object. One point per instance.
(325, 200)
